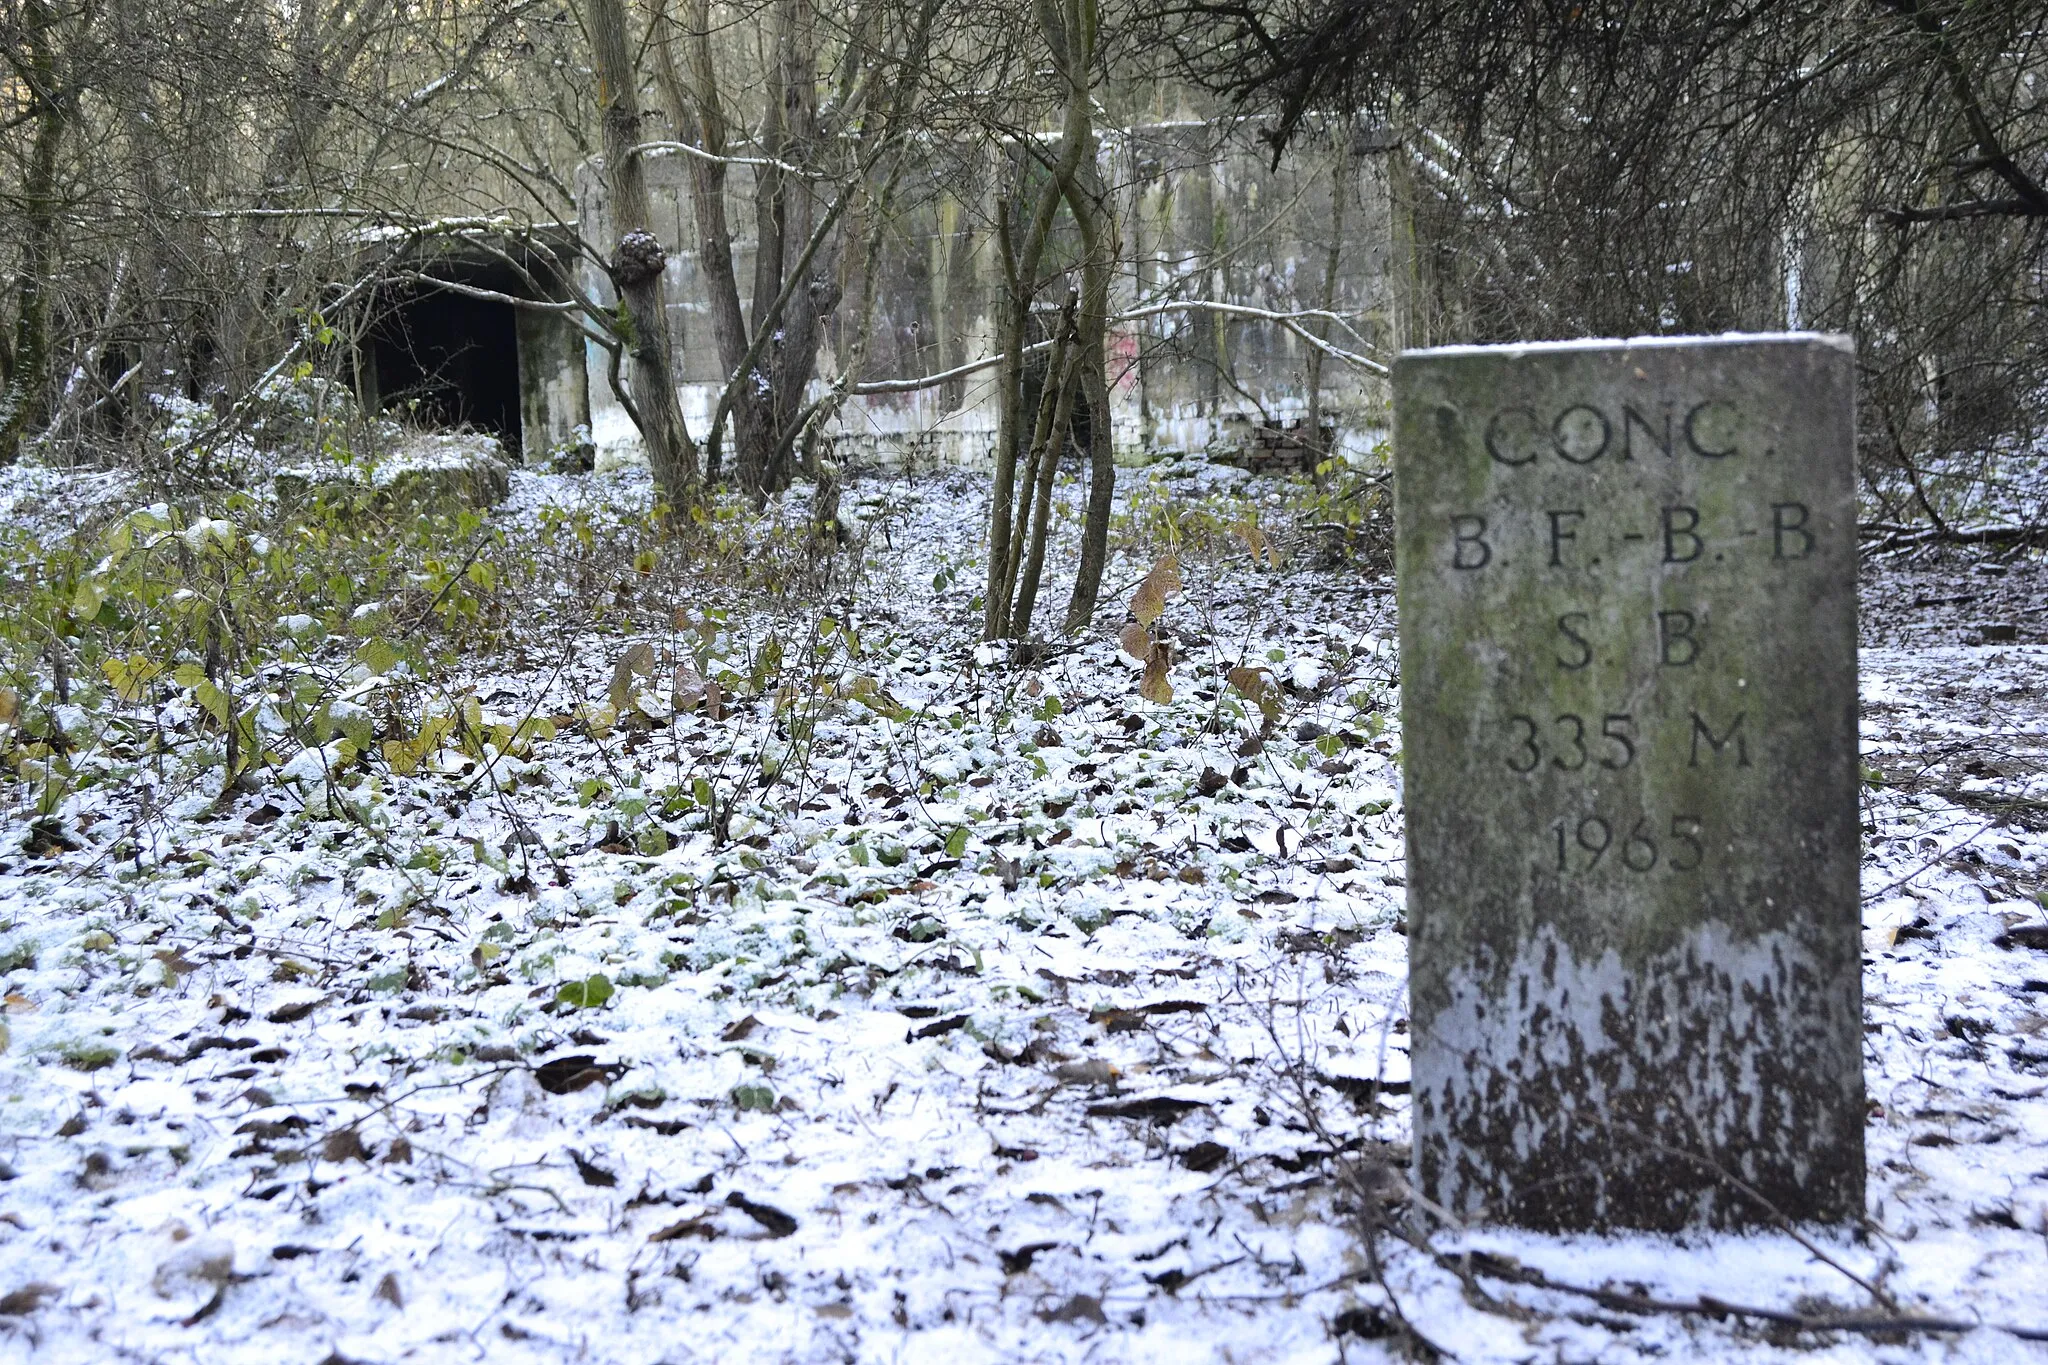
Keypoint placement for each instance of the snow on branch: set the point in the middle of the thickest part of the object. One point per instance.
(932, 381)
(1292, 321)
(691, 149)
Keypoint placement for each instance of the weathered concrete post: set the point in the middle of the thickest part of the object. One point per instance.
(1628, 656)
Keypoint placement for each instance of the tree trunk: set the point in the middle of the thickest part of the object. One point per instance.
(637, 263)
(25, 402)
(1070, 36)
(1021, 279)
(795, 352)
(1088, 200)
(769, 350)
(700, 102)
(1411, 313)
(995, 598)
(1340, 195)
(1094, 330)
(753, 405)
(324, 47)
(1062, 375)
(1052, 400)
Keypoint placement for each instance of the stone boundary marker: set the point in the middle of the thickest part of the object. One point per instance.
(1628, 667)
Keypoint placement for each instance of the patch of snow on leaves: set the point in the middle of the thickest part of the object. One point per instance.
(950, 1011)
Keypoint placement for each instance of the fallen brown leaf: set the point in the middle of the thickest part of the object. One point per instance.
(1018, 1261)
(699, 1226)
(591, 1172)
(346, 1145)
(1080, 1308)
(291, 1014)
(175, 959)
(16, 1303)
(1155, 1108)
(563, 1075)
(773, 1220)
(688, 689)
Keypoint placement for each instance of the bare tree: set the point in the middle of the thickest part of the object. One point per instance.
(831, 101)
(637, 261)
(1052, 174)
(1613, 168)
(37, 33)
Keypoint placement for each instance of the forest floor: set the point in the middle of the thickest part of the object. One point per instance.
(1014, 1018)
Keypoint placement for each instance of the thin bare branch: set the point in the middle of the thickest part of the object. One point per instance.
(692, 149)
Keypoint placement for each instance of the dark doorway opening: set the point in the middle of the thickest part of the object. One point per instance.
(473, 331)
(448, 359)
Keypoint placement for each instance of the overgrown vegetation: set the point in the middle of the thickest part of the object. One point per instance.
(327, 626)
(1618, 169)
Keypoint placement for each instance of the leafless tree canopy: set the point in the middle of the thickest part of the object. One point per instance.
(187, 183)
(1610, 167)
(190, 189)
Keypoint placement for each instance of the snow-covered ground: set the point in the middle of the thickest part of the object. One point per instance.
(1016, 1018)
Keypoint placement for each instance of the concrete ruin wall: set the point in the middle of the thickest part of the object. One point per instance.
(554, 395)
(1201, 216)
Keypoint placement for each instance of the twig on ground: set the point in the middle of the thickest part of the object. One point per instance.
(1705, 1305)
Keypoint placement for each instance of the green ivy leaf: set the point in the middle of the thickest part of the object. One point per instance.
(360, 729)
(587, 994)
(131, 676)
(754, 1096)
(956, 842)
(379, 656)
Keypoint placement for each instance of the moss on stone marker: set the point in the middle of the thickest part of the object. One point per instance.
(1628, 653)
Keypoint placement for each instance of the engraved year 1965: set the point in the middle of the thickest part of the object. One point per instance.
(1584, 844)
